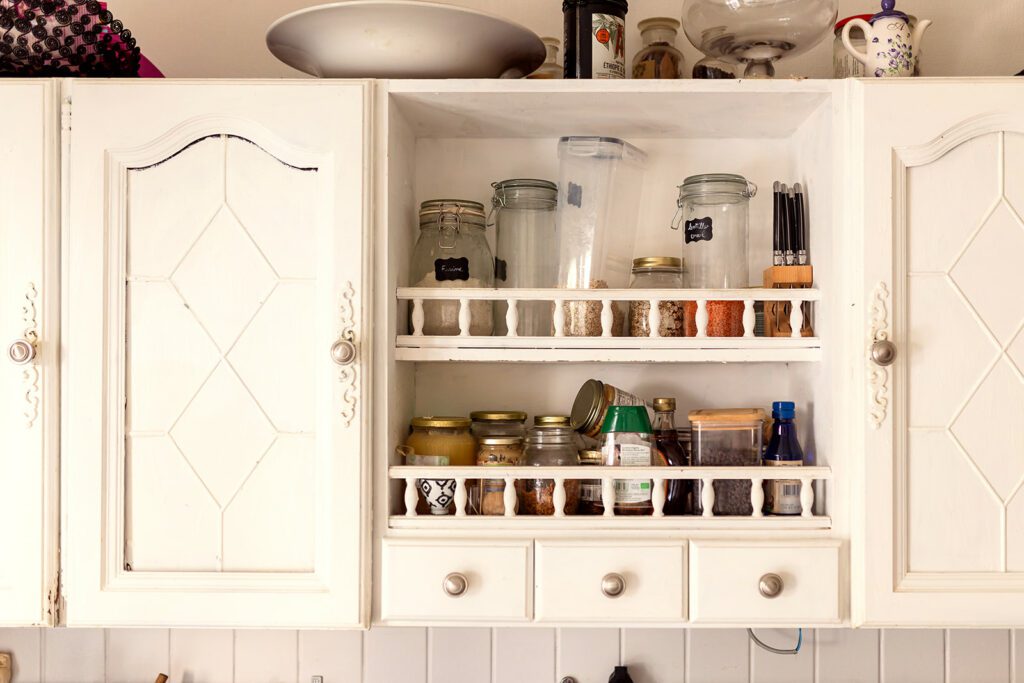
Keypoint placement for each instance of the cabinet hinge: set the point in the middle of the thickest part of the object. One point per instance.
(65, 114)
(56, 607)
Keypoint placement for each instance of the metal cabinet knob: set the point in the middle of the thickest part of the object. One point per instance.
(613, 585)
(343, 352)
(883, 353)
(770, 585)
(21, 352)
(455, 584)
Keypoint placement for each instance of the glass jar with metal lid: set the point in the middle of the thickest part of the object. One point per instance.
(551, 421)
(592, 402)
(452, 252)
(657, 272)
(446, 436)
(526, 255)
(498, 423)
(549, 445)
(714, 216)
(591, 500)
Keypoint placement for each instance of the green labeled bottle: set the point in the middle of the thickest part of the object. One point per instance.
(628, 442)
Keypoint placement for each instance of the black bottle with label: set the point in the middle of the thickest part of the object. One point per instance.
(620, 675)
(595, 38)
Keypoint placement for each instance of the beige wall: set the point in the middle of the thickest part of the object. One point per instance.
(224, 38)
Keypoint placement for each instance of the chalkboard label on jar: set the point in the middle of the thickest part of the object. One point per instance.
(451, 269)
(500, 269)
(698, 230)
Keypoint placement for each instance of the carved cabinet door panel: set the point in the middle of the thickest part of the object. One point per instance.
(216, 364)
(941, 353)
(29, 342)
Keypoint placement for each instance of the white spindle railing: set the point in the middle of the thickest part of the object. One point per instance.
(703, 478)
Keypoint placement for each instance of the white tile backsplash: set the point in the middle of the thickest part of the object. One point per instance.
(511, 655)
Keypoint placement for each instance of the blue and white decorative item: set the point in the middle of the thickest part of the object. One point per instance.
(893, 43)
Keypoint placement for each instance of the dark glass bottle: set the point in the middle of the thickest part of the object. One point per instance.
(782, 497)
(678, 495)
(620, 675)
(595, 38)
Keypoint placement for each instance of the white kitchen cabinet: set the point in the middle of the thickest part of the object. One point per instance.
(939, 181)
(29, 333)
(216, 353)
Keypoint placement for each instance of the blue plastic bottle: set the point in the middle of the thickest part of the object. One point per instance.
(782, 497)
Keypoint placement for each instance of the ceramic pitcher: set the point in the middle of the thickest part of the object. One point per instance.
(893, 47)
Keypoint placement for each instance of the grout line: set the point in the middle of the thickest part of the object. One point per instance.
(622, 647)
(494, 655)
(686, 655)
(945, 655)
(298, 656)
(234, 652)
(428, 660)
(750, 660)
(169, 652)
(815, 657)
(1013, 656)
(881, 655)
(558, 654)
(106, 646)
(362, 656)
(42, 646)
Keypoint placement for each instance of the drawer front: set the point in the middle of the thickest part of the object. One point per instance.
(572, 577)
(416, 574)
(725, 583)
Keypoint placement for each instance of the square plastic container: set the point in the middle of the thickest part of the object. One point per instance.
(599, 185)
(727, 438)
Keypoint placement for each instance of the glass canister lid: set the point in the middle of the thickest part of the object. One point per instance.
(498, 416)
(551, 420)
(717, 184)
(434, 211)
(431, 422)
(532, 188)
(669, 263)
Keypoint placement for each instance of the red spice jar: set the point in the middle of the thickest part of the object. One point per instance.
(725, 318)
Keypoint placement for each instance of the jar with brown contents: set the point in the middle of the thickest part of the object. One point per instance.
(591, 501)
(495, 451)
(657, 272)
(592, 403)
(549, 446)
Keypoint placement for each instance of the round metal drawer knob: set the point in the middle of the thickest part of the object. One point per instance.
(21, 352)
(455, 584)
(613, 585)
(883, 353)
(770, 585)
(343, 352)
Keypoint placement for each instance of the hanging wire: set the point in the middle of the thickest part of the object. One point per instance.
(775, 650)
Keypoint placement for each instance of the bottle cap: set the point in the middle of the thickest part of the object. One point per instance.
(663, 405)
(783, 410)
(626, 419)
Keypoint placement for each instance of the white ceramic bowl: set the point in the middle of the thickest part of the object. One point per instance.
(403, 39)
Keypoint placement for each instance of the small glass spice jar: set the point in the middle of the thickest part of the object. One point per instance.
(658, 58)
(498, 423)
(591, 502)
(657, 272)
(452, 252)
(496, 451)
(549, 446)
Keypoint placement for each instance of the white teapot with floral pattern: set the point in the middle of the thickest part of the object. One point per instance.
(893, 47)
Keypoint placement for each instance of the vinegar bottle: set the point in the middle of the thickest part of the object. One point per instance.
(678, 494)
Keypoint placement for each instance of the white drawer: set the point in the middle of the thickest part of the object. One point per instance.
(570, 577)
(725, 582)
(498, 581)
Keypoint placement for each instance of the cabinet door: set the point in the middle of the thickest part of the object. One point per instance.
(216, 361)
(943, 449)
(29, 325)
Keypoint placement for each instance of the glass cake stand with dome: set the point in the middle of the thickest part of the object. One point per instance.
(757, 33)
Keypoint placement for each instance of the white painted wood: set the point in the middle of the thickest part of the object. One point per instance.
(134, 654)
(380, 662)
(499, 576)
(654, 655)
(724, 577)
(979, 656)
(202, 655)
(74, 656)
(847, 654)
(587, 654)
(768, 667)
(937, 276)
(718, 655)
(335, 655)
(459, 655)
(26, 647)
(490, 294)
(913, 656)
(570, 574)
(266, 656)
(253, 281)
(523, 655)
(29, 394)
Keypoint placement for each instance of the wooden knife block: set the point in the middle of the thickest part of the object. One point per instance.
(776, 313)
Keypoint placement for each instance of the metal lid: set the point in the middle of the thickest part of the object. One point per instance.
(663, 405)
(658, 262)
(534, 193)
(500, 441)
(551, 420)
(434, 209)
(734, 184)
(588, 406)
(591, 458)
(523, 183)
(498, 416)
(441, 422)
